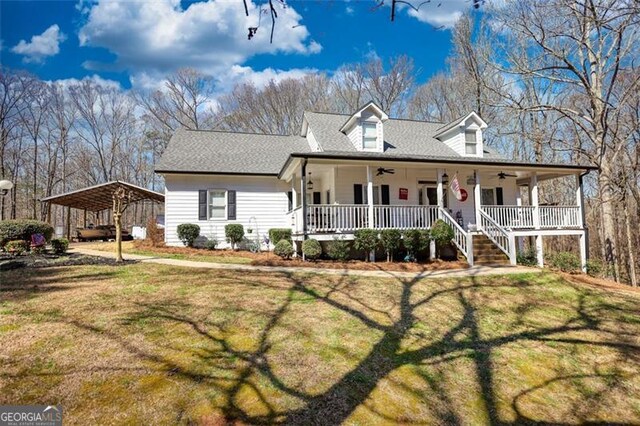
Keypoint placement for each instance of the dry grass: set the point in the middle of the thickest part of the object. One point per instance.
(156, 344)
(270, 259)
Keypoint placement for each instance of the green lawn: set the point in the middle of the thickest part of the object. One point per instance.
(156, 344)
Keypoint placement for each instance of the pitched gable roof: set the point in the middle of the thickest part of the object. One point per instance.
(208, 151)
(401, 137)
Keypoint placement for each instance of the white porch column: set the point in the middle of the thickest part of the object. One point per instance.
(579, 200)
(440, 188)
(294, 193)
(372, 255)
(477, 196)
(583, 251)
(370, 195)
(533, 187)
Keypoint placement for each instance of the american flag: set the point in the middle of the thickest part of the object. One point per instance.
(455, 187)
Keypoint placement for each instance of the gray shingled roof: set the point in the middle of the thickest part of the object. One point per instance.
(203, 151)
(401, 137)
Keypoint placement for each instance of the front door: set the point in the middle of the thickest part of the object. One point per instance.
(428, 196)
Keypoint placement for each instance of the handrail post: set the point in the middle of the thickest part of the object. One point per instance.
(512, 249)
(469, 236)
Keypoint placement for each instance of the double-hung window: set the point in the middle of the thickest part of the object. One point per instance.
(470, 142)
(369, 136)
(217, 204)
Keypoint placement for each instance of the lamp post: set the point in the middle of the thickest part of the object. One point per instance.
(5, 187)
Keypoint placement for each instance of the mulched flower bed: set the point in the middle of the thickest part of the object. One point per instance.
(265, 258)
(51, 260)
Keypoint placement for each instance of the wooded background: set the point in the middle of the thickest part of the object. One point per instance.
(556, 81)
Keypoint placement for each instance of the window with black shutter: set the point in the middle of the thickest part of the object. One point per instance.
(202, 204)
(231, 205)
(499, 197)
(357, 193)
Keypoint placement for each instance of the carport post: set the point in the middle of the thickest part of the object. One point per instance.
(85, 219)
(69, 223)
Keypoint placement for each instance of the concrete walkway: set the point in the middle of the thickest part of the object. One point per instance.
(449, 273)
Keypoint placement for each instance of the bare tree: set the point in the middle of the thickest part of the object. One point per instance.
(583, 46)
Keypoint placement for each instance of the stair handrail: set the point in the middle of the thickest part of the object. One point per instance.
(461, 238)
(503, 239)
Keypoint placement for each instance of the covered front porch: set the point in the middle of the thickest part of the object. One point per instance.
(334, 198)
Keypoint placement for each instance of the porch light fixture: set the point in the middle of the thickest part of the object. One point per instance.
(445, 178)
(309, 183)
(5, 187)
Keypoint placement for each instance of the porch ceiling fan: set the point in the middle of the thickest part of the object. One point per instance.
(503, 175)
(382, 171)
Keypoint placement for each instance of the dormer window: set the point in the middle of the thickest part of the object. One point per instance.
(369, 136)
(470, 142)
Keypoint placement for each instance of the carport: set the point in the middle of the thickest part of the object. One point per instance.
(115, 196)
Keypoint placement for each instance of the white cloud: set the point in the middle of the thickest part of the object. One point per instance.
(41, 46)
(67, 82)
(160, 36)
(349, 10)
(438, 13)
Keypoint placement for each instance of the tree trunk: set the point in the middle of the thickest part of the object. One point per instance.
(608, 222)
(117, 219)
(630, 248)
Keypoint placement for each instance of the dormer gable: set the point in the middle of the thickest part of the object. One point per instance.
(464, 135)
(307, 133)
(364, 128)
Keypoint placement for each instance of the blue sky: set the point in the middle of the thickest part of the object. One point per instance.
(138, 42)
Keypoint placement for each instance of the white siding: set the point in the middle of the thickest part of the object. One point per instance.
(313, 142)
(261, 198)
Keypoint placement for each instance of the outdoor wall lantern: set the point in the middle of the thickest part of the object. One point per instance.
(310, 183)
(5, 187)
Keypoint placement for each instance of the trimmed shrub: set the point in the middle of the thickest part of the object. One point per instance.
(284, 249)
(17, 246)
(23, 230)
(234, 232)
(595, 267)
(527, 257)
(188, 232)
(211, 244)
(366, 240)
(311, 249)
(564, 261)
(277, 234)
(338, 249)
(391, 239)
(415, 241)
(155, 235)
(442, 234)
(59, 245)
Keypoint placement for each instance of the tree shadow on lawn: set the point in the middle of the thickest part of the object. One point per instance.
(465, 339)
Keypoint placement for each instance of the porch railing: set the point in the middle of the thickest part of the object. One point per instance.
(461, 238)
(513, 217)
(496, 233)
(524, 217)
(350, 217)
(337, 217)
(404, 217)
(560, 217)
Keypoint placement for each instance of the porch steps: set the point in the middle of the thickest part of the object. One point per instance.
(485, 252)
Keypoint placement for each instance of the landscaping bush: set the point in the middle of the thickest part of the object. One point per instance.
(338, 249)
(284, 249)
(277, 234)
(59, 245)
(23, 230)
(564, 261)
(366, 240)
(527, 257)
(211, 244)
(391, 239)
(311, 249)
(442, 234)
(234, 233)
(415, 241)
(595, 267)
(188, 232)
(155, 235)
(17, 246)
